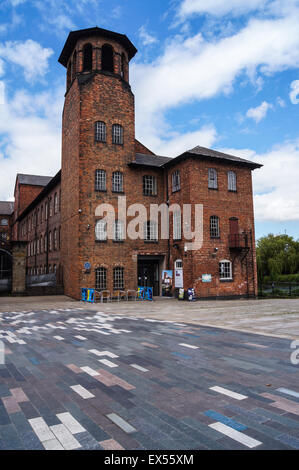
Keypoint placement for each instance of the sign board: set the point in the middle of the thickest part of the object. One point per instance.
(167, 283)
(206, 277)
(87, 265)
(178, 278)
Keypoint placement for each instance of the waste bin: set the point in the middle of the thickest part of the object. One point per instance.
(181, 294)
(191, 294)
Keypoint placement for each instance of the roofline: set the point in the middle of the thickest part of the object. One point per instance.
(74, 36)
(52, 183)
(188, 154)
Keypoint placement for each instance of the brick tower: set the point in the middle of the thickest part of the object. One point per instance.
(98, 133)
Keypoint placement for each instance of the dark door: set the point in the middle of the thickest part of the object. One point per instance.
(148, 275)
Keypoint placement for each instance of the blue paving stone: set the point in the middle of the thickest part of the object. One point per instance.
(225, 420)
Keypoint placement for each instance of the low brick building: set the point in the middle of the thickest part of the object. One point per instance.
(63, 218)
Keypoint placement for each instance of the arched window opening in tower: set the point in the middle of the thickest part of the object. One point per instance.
(87, 58)
(74, 66)
(123, 66)
(107, 58)
(69, 74)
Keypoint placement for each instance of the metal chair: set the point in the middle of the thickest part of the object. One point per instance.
(119, 295)
(132, 293)
(104, 294)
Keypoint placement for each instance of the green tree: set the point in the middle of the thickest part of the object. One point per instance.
(277, 254)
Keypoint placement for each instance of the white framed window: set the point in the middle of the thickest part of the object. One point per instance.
(117, 134)
(119, 231)
(150, 231)
(101, 278)
(56, 203)
(178, 264)
(101, 230)
(213, 184)
(225, 270)
(117, 182)
(55, 239)
(232, 181)
(118, 278)
(100, 180)
(177, 225)
(149, 185)
(100, 131)
(176, 181)
(214, 227)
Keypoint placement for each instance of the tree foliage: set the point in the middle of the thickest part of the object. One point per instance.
(276, 255)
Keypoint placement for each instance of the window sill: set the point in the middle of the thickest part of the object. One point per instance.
(150, 195)
(226, 280)
(176, 190)
(118, 241)
(213, 189)
(118, 192)
(100, 141)
(215, 238)
(101, 241)
(151, 241)
(232, 191)
(100, 190)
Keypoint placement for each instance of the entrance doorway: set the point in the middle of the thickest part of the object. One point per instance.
(5, 270)
(149, 273)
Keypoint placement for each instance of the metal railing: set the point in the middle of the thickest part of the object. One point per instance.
(278, 289)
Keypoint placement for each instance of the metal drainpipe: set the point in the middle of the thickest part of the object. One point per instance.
(167, 202)
(47, 231)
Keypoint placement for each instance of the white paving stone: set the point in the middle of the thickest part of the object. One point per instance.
(103, 353)
(235, 435)
(70, 423)
(65, 437)
(188, 346)
(121, 423)
(90, 371)
(82, 391)
(136, 366)
(59, 338)
(41, 429)
(80, 337)
(229, 393)
(53, 444)
(108, 363)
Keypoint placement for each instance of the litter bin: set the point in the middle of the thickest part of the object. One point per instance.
(181, 294)
(191, 294)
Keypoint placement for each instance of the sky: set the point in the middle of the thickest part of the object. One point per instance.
(221, 74)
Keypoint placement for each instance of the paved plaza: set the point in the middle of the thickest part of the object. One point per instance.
(82, 377)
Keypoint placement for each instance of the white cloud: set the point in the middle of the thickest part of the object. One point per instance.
(218, 7)
(195, 69)
(280, 102)
(30, 136)
(147, 39)
(294, 92)
(16, 3)
(260, 112)
(2, 93)
(276, 189)
(30, 55)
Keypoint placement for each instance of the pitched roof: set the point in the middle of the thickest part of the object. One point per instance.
(35, 180)
(6, 207)
(105, 33)
(142, 159)
(215, 155)
(52, 183)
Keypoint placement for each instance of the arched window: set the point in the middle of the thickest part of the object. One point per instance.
(100, 180)
(100, 131)
(150, 231)
(176, 181)
(225, 270)
(74, 66)
(55, 239)
(101, 230)
(178, 264)
(118, 278)
(87, 58)
(55, 203)
(123, 66)
(214, 226)
(117, 182)
(107, 58)
(101, 278)
(117, 134)
(213, 179)
(41, 244)
(232, 181)
(119, 231)
(69, 74)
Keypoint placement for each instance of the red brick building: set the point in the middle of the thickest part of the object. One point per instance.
(101, 162)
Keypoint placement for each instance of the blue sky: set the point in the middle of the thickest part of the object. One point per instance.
(218, 73)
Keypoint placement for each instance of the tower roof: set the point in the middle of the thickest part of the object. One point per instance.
(74, 36)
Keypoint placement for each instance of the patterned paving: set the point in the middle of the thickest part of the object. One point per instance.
(76, 379)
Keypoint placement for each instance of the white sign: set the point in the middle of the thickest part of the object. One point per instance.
(178, 278)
